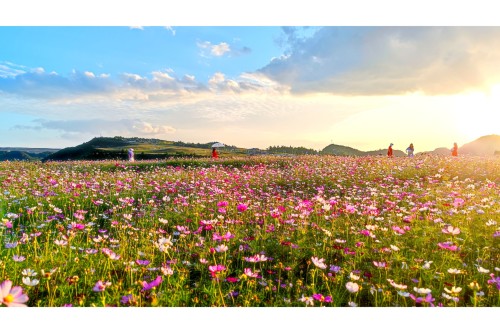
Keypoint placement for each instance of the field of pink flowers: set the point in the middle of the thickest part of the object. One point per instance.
(258, 231)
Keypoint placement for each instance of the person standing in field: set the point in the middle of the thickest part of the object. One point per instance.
(410, 150)
(389, 150)
(214, 153)
(454, 150)
(131, 155)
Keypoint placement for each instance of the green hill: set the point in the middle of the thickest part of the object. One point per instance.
(339, 150)
(106, 148)
(24, 154)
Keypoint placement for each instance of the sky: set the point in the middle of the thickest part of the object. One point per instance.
(253, 86)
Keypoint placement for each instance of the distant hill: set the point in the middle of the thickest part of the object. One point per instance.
(24, 154)
(485, 145)
(339, 150)
(105, 148)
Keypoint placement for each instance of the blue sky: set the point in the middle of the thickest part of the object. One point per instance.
(250, 86)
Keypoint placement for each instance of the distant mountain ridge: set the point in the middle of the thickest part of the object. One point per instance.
(340, 150)
(100, 148)
(25, 154)
(485, 145)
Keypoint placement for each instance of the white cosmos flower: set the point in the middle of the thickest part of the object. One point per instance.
(482, 270)
(454, 271)
(352, 287)
(353, 276)
(424, 291)
(427, 264)
(394, 248)
(454, 290)
(29, 272)
(29, 282)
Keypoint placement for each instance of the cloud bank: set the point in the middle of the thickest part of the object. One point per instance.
(388, 60)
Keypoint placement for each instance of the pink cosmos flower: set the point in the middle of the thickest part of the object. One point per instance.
(256, 258)
(451, 230)
(448, 246)
(380, 264)
(216, 269)
(458, 202)
(12, 296)
(101, 286)
(248, 272)
(320, 263)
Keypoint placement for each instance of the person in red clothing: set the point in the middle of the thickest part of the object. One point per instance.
(389, 150)
(214, 153)
(454, 150)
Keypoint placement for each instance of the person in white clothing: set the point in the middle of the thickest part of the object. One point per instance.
(131, 155)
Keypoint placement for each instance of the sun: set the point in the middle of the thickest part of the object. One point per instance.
(478, 113)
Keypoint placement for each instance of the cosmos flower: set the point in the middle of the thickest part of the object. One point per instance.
(352, 287)
(454, 271)
(29, 282)
(320, 263)
(101, 286)
(128, 299)
(307, 299)
(241, 208)
(424, 291)
(18, 258)
(150, 285)
(29, 272)
(396, 285)
(454, 290)
(322, 299)
(451, 230)
(248, 272)
(12, 296)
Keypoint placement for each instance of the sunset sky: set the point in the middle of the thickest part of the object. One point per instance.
(363, 86)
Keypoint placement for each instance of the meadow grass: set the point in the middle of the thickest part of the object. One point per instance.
(253, 231)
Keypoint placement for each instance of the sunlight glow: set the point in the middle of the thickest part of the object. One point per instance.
(478, 114)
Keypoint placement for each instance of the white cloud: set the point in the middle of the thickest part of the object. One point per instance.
(388, 60)
(171, 30)
(217, 50)
(137, 27)
(220, 49)
(8, 69)
(131, 127)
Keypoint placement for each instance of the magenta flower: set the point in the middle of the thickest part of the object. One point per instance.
(216, 269)
(323, 299)
(427, 299)
(494, 280)
(150, 285)
(448, 246)
(142, 262)
(128, 299)
(12, 296)
(241, 208)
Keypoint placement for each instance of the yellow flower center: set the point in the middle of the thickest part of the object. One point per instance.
(8, 299)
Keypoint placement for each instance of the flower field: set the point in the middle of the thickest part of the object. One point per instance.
(304, 231)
